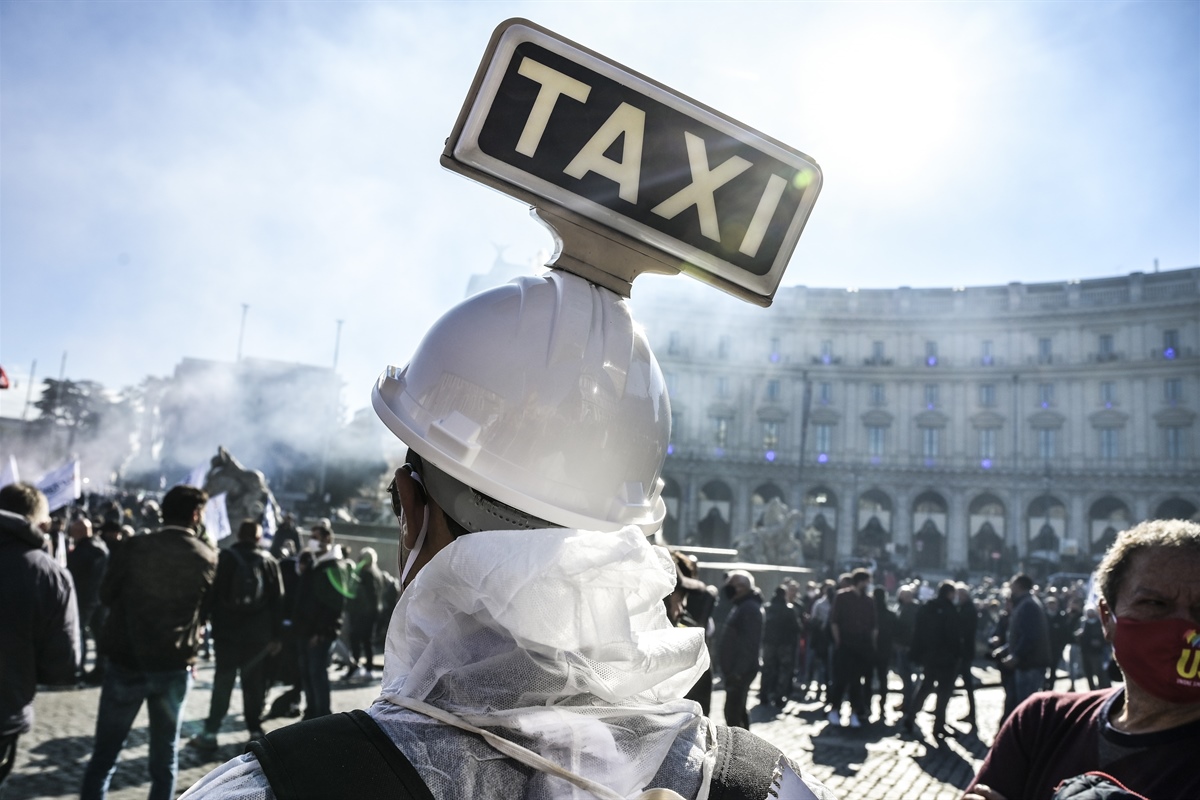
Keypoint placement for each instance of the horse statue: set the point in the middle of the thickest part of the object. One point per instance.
(247, 495)
(773, 541)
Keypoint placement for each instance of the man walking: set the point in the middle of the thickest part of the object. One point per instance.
(156, 588)
(936, 645)
(781, 636)
(39, 630)
(87, 562)
(247, 619)
(320, 601)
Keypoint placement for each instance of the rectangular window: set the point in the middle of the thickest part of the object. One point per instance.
(877, 351)
(1170, 343)
(987, 443)
(724, 345)
(1176, 449)
(1046, 394)
(1108, 393)
(775, 350)
(721, 431)
(825, 393)
(875, 440)
(1173, 389)
(877, 395)
(1045, 438)
(824, 436)
(985, 353)
(1106, 346)
(773, 391)
(931, 354)
(1045, 354)
(929, 442)
(931, 395)
(770, 435)
(826, 351)
(722, 386)
(987, 395)
(674, 343)
(1109, 443)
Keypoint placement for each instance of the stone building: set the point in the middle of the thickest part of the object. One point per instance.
(986, 428)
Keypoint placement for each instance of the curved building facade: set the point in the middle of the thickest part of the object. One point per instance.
(982, 428)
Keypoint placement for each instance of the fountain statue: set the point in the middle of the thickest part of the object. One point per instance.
(773, 541)
(247, 495)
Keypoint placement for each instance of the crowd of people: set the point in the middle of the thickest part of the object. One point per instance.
(146, 593)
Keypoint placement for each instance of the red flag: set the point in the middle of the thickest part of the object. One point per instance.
(3, 379)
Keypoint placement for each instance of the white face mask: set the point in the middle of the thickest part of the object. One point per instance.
(411, 558)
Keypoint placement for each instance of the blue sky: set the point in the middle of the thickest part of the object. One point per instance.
(163, 163)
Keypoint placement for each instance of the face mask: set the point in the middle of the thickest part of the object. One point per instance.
(1161, 656)
(730, 591)
(411, 558)
(313, 546)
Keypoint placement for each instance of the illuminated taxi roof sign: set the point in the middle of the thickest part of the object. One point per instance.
(615, 162)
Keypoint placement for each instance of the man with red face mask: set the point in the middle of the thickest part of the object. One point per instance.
(1139, 740)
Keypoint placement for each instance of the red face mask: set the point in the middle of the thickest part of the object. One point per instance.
(1161, 656)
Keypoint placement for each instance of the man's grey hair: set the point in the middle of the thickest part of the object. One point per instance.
(27, 500)
(1171, 533)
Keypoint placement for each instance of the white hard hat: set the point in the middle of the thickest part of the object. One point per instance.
(544, 395)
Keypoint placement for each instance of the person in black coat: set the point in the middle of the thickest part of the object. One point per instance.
(741, 640)
(888, 623)
(39, 629)
(87, 563)
(781, 634)
(968, 624)
(936, 646)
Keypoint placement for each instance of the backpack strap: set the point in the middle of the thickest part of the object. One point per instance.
(745, 765)
(337, 755)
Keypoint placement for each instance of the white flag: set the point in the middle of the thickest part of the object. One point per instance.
(9, 473)
(196, 477)
(62, 486)
(216, 518)
(269, 525)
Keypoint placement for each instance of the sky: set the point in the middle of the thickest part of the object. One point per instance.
(170, 169)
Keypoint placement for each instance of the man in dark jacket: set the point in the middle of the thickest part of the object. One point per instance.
(781, 634)
(39, 630)
(854, 631)
(247, 619)
(1027, 653)
(740, 643)
(320, 600)
(936, 645)
(87, 562)
(364, 610)
(906, 626)
(157, 589)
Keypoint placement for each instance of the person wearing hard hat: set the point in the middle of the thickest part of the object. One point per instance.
(530, 653)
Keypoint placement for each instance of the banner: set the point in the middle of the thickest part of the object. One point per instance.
(196, 476)
(8, 472)
(216, 518)
(269, 525)
(62, 486)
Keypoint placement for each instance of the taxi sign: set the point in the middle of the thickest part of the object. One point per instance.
(598, 148)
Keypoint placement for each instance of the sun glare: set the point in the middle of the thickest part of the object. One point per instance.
(889, 101)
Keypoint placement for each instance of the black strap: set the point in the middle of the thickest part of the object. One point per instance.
(745, 765)
(338, 755)
(347, 755)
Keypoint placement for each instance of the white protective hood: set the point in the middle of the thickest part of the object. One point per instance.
(557, 639)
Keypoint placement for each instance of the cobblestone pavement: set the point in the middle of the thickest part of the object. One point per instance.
(870, 763)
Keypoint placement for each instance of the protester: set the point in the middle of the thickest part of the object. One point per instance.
(39, 626)
(247, 623)
(320, 601)
(818, 669)
(780, 638)
(531, 652)
(699, 600)
(887, 623)
(1027, 651)
(87, 562)
(853, 630)
(1144, 735)
(157, 589)
(906, 625)
(937, 647)
(1093, 649)
(741, 642)
(363, 614)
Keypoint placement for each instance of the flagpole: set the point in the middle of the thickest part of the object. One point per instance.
(29, 391)
(242, 330)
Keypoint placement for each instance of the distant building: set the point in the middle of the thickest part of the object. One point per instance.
(984, 427)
